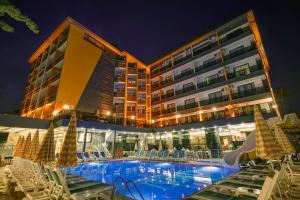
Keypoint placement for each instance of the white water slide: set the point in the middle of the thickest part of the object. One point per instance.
(231, 158)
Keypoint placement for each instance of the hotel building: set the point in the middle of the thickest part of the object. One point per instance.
(199, 96)
(221, 74)
(76, 69)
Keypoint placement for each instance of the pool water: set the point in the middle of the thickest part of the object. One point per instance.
(155, 180)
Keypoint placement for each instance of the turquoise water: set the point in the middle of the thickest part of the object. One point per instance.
(155, 180)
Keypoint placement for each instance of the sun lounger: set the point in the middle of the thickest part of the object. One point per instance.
(86, 156)
(80, 157)
(212, 195)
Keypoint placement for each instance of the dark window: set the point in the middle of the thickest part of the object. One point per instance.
(188, 85)
(189, 101)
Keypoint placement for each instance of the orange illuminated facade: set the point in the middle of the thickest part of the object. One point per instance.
(219, 75)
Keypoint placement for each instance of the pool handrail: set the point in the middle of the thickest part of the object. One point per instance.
(114, 189)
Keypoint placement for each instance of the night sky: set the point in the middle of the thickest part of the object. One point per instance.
(148, 29)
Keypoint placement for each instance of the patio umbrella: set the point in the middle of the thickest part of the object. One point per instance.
(283, 140)
(146, 146)
(46, 152)
(266, 144)
(136, 146)
(18, 146)
(26, 146)
(171, 143)
(68, 157)
(33, 146)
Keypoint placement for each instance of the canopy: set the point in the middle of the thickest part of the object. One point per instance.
(34, 146)
(26, 146)
(283, 140)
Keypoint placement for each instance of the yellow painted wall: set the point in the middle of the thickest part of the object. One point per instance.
(80, 60)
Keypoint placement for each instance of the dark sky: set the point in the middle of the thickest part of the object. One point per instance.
(148, 29)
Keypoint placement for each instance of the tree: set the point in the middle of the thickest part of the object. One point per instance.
(7, 8)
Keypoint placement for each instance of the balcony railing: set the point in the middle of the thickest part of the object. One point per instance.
(211, 82)
(156, 99)
(241, 51)
(184, 74)
(250, 92)
(120, 93)
(200, 50)
(187, 106)
(166, 81)
(142, 88)
(155, 113)
(253, 68)
(132, 71)
(131, 84)
(119, 109)
(207, 65)
(184, 90)
(155, 85)
(235, 34)
(177, 61)
(214, 100)
(120, 78)
(131, 97)
(167, 95)
(141, 76)
(169, 110)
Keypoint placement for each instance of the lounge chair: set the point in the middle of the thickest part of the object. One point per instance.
(80, 157)
(145, 156)
(152, 154)
(78, 190)
(87, 156)
(179, 156)
(96, 155)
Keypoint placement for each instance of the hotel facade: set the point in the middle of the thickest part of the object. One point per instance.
(199, 96)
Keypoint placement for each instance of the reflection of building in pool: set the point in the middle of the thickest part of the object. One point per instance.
(218, 75)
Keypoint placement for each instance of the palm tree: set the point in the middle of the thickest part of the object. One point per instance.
(280, 95)
(7, 8)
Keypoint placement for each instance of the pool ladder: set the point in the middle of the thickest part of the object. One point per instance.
(126, 184)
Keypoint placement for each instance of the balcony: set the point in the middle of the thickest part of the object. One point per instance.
(141, 76)
(184, 74)
(250, 92)
(252, 69)
(118, 109)
(131, 84)
(120, 78)
(211, 82)
(185, 90)
(235, 34)
(155, 85)
(169, 110)
(200, 50)
(120, 93)
(241, 51)
(156, 99)
(141, 101)
(120, 64)
(166, 81)
(132, 71)
(177, 61)
(131, 97)
(168, 95)
(214, 100)
(142, 88)
(155, 113)
(164, 68)
(187, 106)
(207, 65)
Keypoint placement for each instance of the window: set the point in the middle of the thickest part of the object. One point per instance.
(155, 96)
(215, 95)
(242, 70)
(189, 101)
(188, 85)
(211, 60)
(155, 110)
(185, 70)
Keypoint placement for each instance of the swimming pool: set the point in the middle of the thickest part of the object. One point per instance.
(156, 180)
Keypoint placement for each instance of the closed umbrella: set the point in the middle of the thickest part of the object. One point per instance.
(34, 146)
(46, 152)
(68, 157)
(160, 145)
(18, 146)
(171, 143)
(26, 146)
(266, 144)
(283, 140)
